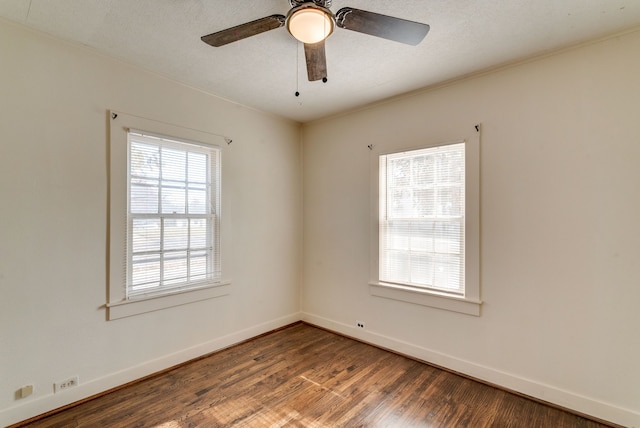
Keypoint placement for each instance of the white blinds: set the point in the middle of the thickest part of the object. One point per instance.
(173, 239)
(422, 218)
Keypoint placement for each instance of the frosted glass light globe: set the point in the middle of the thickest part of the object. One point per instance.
(310, 25)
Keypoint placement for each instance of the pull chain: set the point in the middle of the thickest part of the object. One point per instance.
(297, 69)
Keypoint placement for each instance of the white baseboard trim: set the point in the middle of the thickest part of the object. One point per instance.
(88, 388)
(531, 388)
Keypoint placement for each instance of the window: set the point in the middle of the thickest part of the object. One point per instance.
(166, 234)
(422, 218)
(173, 237)
(427, 231)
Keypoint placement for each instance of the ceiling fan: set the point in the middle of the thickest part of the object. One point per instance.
(311, 22)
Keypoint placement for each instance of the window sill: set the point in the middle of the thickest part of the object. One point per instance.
(141, 305)
(425, 298)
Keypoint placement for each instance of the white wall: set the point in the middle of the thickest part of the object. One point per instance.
(54, 99)
(560, 229)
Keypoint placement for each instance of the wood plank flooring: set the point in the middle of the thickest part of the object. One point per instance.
(302, 376)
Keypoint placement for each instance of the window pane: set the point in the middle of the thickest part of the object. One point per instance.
(145, 272)
(198, 233)
(197, 168)
(451, 166)
(173, 200)
(397, 235)
(174, 164)
(144, 160)
(174, 268)
(197, 201)
(422, 271)
(145, 235)
(447, 273)
(401, 172)
(396, 266)
(423, 172)
(422, 236)
(450, 201)
(175, 234)
(400, 203)
(423, 205)
(447, 237)
(198, 265)
(143, 199)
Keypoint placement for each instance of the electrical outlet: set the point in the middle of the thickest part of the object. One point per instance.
(25, 391)
(66, 384)
(360, 324)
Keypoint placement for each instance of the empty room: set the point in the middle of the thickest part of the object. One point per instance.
(425, 214)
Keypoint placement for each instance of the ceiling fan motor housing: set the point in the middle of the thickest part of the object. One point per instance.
(321, 3)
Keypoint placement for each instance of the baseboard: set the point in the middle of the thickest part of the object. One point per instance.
(89, 388)
(547, 393)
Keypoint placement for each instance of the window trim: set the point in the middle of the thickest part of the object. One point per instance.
(118, 305)
(469, 303)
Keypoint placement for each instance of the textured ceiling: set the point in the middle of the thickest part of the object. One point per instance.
(265, 71)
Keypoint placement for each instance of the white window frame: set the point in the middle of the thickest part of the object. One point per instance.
(467, 303)
(119, 304)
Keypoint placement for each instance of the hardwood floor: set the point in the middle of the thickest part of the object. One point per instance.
(302, 376)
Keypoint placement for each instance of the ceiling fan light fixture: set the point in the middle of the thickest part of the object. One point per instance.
(310, 24)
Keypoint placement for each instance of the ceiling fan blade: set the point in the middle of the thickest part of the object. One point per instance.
(243, 31)
(387, 27)
(316, 61)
